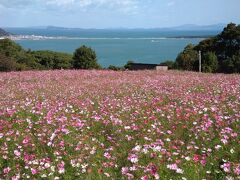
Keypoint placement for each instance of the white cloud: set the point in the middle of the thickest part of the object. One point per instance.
(122, 5)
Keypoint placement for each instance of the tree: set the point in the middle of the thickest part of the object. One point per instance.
(14, 51)
(128, 65)
(10, 48)
(227, 44)
(188, 59)
(209, 62)
(7, 64)
(232, 65)
(53, 60)
(115, 68)
(206, 45)
(85, 58)
(169, 63)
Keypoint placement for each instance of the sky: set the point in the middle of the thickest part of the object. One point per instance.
(117, 13)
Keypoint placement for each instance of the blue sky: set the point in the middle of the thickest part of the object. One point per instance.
(117, 13)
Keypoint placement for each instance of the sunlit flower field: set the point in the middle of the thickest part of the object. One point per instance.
(119, 125)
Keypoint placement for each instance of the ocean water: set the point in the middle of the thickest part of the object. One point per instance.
(114, 47)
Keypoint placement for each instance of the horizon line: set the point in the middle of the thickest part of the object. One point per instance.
(129, 28)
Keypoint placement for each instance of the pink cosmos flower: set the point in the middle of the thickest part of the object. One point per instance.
(107, 155)
(152, 168)
(15, 177)
(196, 158)
(156, 176)
(237, 170)
(6, 170)
(61, 168)
(133, 158)
(34, 171)
(144, 177)
(124, 170)
(79, 124)
(1, 135)
(28, 157)
(25, 140)
(226, 167)
(17, 153)
(172, 166)
(203, 162)
(61, 143)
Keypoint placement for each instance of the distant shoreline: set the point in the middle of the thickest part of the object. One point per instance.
(34, 37)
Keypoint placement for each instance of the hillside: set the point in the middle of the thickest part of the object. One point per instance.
(3, 33)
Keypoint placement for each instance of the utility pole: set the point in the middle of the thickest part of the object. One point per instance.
(200, 61)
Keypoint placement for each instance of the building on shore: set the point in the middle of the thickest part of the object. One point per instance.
(143, 66)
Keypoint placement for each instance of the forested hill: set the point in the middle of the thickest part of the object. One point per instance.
(3, 33)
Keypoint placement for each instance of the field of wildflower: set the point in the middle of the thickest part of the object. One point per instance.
(119, 125)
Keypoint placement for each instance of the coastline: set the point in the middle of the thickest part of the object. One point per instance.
(153, 39)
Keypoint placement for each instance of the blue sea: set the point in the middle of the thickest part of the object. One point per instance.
(114, 46)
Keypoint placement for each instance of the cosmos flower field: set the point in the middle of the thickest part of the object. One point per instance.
(119, 125)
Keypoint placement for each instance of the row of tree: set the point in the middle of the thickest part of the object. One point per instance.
(14, 58)
(219, 54)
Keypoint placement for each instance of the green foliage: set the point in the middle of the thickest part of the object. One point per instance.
(53, 60)
(85, 58)
(232, 65)
(10, 48)
(27, 60)
(225, 46)
(7, 64)
(115, 68)
(209, 62)
(188, 59)
(206, 45)
(128, 65)
(169, 63)
(14, 51)
(228, 42)
(220, 53)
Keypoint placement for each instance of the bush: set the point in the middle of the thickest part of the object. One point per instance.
(53, 60)
(85, 58)
(14, 51)
(7, 64)
(225, 46)
(232, 65)
(27, 60)
(209, 62)
(128, 65)
(169, 63)
(10, 48)
(188, 59)
(115, 68)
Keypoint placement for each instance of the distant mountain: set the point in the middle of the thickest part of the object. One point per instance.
(66, 28)
(186, 27)
(3, 33)
(57, 28)
(193, 27)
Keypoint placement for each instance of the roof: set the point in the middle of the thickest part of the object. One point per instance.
(145, 64)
